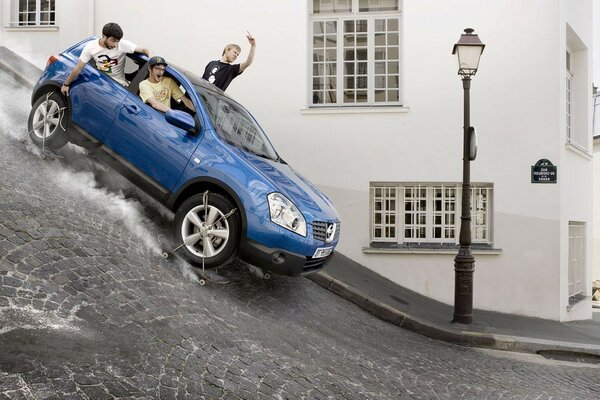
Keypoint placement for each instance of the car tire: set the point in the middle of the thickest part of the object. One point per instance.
(201, 230)
(49, 121)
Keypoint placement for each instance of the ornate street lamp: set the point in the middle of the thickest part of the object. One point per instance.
(469, 49)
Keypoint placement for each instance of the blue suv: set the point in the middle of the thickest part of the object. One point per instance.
(231, 192)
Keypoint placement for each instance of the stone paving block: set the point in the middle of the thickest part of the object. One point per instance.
(16, 240)
(8, 291)
(24, 236)
(4, 233)
(60, 279)
(25, 294)
(96, 392)
(40, 245)
(11, 281)
(16, 256)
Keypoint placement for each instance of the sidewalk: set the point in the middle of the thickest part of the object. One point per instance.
(431, 318)
(22, 70)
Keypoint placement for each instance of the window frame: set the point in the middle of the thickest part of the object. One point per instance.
(577, 260)
(480, 222)
(38, 23)
(341, 18)
(569, 105)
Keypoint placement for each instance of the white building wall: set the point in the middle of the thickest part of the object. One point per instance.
(517, 105)
(576, 25)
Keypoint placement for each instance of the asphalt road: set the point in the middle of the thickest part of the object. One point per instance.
(88, 309)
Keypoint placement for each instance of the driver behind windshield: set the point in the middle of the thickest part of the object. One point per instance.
(158, 90)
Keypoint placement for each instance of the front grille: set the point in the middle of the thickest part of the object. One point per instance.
(320, 231)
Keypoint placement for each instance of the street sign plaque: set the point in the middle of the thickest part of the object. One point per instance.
(543, 172)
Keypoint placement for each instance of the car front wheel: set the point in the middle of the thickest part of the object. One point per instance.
(209, 229)
(49, 120)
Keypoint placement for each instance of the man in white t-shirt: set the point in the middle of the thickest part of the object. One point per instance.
(108, 53)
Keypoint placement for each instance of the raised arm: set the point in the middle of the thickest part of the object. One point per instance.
(250, 57)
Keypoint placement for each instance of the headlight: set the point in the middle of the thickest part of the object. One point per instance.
(285, 213)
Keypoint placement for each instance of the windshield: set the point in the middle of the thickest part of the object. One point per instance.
(234, 124)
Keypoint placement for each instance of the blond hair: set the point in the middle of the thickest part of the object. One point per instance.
(231, 46)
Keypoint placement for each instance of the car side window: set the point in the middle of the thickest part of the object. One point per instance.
(132, 66)
(178, 104)
(134, 85)
(173, 104)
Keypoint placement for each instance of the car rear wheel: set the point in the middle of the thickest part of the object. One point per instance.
(208, 230)
(49, 120)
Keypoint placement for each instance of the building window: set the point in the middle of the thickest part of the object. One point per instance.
(569, 97)
(34, 13)
(576, 261)
(355, 52)
(427, 213)
(577, 90)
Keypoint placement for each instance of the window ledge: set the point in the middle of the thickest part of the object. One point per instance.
(577, 149)
(577, 301)
(428, 250)
(353, 110)
(30, 28)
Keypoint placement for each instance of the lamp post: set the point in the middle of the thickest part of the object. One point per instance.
(468, 49)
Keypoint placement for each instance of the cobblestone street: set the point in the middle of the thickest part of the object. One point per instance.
(89, 309)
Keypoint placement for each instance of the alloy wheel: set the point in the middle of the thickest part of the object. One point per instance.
(205, 232)
(46, 119)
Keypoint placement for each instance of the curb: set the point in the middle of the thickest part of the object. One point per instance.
(435, 331)
(403, 320)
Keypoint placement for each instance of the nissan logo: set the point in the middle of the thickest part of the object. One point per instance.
(330, 232)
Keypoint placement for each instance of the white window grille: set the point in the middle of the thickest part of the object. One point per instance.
(34, 13)
(427, 213)
(384, 201)
(480, 214)
(355, 52)
(576, 259)
(415, 213)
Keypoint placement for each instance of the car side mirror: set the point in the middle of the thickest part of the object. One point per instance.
(181, 119)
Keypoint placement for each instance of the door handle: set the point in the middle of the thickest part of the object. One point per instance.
(131, 109)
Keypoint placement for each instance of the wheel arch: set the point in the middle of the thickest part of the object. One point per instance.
(199, 185)
(48, 86)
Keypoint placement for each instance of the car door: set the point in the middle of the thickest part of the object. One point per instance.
(152, 148)
(95, 100)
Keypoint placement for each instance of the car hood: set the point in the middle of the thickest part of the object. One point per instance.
(307, 197)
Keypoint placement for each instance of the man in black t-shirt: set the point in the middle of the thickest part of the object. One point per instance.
(222, 72)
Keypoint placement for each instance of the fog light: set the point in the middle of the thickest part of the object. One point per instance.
(278, 258)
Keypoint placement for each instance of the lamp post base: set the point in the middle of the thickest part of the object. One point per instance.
(464, 266)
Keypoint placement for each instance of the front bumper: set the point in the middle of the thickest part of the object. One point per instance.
(281, 262)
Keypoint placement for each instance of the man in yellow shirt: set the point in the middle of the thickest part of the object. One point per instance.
(158, 90)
